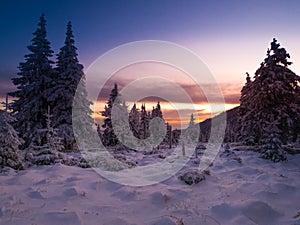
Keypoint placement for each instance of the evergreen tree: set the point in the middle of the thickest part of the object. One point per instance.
(134, 120)
(35, 79)
(121, 125)
(47, 153)
(272, 144)
(245, 96)
(69, 73)
(54, 140)
(99, 132)
(156, 129)
(109, 138)
(192, 121)
(277, 94)
(156, 112)
(169, 137)
(144, 123)
(273, 98)
(191, 133)
(9, 143)
(245, 115)
(82, 121)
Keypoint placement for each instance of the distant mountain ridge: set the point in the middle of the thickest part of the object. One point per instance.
(231, 126)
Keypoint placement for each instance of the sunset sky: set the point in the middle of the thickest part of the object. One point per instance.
(230, 37)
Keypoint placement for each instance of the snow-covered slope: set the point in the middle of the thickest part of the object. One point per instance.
(241, 189)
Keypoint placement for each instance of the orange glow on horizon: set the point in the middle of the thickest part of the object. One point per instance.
(201, 112)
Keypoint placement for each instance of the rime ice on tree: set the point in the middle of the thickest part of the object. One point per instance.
(273, 97)
(109, 138)
(49, 152)
(9, 143)
(34, 80)
(69, 73)
(134, 120)
(144, 123)
(138, 128)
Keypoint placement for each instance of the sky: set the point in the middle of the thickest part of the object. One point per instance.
(230, 37)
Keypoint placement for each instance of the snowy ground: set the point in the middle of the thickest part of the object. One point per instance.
(241, 189)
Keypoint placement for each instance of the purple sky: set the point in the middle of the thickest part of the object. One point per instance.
(231, 37)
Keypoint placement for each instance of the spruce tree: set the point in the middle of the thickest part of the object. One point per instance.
(121, 127)
(274, 98)
(191, 133)
(109, 138)
(245, 116)
(272, 144)
(144, 123)
(192, 121)
(277, 94)
(9, 143)
(156, 112)
(69, 73)
(82, 121)
(34, 80)
(169, 136)
(245, 96)
(47, 153)
(158, 129)
(99, 132)
(134, 120)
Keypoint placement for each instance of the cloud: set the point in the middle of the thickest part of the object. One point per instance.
(158, 80)
(164, 90)
(231, 92)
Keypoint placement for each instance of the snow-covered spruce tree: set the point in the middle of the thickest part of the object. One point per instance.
(271, 143)
(156, 112)
(109, 138)
(245, 120)
(34, 79)
(144, 123)
(47, 153)
(274, 99)
(121, 124)
(157, 130)
(82, 121)
(99, 132)
(191, 133)
(134, 120)
(169, 137)
(9, 143)
(277, 94)
(69, 73)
